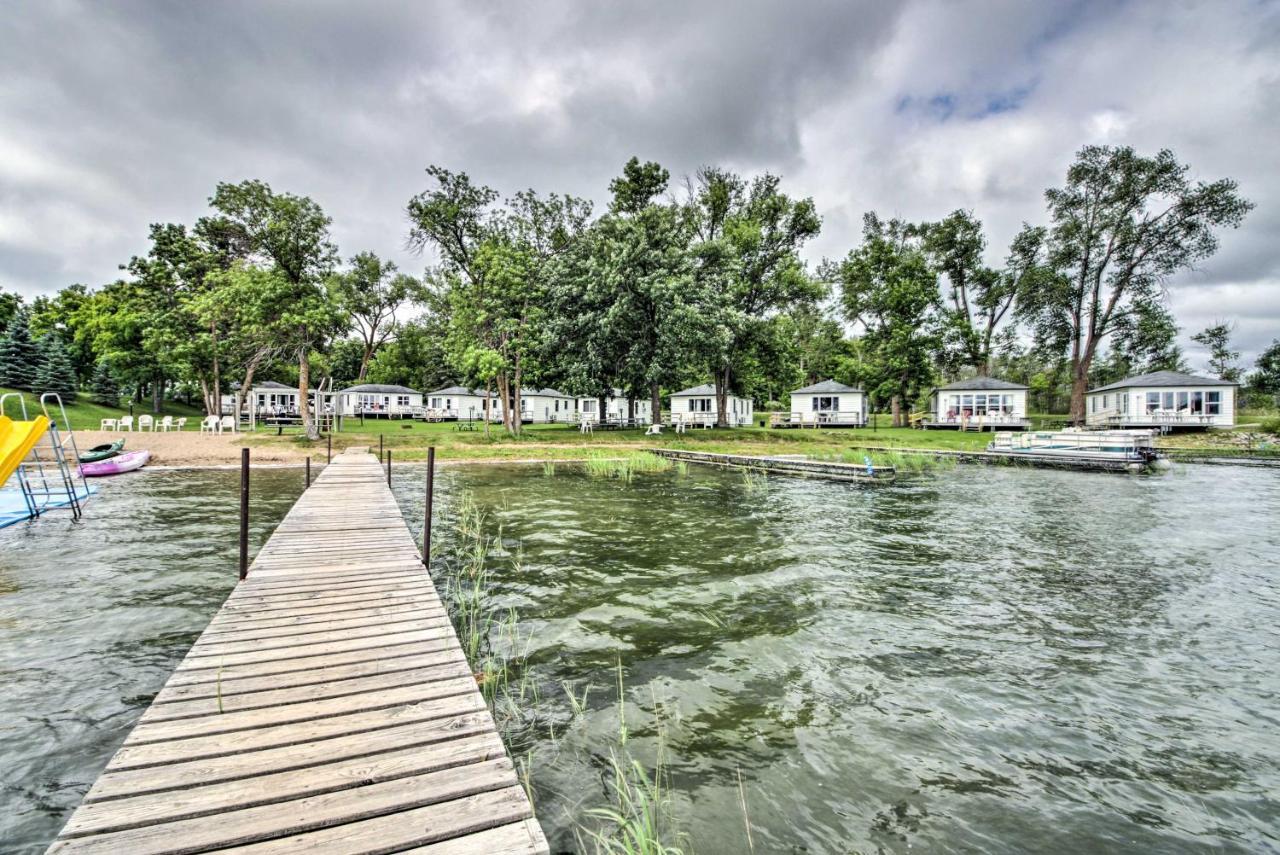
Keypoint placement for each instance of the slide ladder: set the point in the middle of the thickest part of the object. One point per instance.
(44, 458)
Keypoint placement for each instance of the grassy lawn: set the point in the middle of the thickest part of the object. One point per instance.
(86, 415)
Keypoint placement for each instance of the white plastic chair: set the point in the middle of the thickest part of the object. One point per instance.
(146, 423)
(126, 423)
(166, 424)
(209, 425)
(180, 424)
(227, 423)
(110, 424)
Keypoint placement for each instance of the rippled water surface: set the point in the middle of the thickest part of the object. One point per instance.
(982, 660)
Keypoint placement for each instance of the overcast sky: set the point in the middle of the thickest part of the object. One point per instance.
(116, 115)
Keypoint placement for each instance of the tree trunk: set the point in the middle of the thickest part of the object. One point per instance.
(157, 395)
(217, 370)
(1079, 385)
(895, 407)
(631, 408)
(304, 395)
(247, 385)
(488, 406)
(364, 361)
(655, 403)
(722, 398)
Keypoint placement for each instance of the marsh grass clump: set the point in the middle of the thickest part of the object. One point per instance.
(755, 480)
(626, 466)
(903, 462)
(549, 468)
(638, 819)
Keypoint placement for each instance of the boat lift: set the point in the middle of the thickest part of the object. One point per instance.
(48, 473)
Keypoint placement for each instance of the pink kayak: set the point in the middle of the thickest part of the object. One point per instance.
(115, 465)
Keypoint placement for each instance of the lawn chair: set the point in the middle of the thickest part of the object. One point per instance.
(110, 424)
(654, 430)
(209, 425)
(146, 423)
(227, 423)
(165, 425)
(126, 423)
(180, 424)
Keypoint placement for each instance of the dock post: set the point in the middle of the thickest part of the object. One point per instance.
(308, 471)
(244, 513)
(426, 524)
(381, 453)
(388, 467)
(329, 452)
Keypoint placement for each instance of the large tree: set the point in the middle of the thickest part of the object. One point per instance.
(748, 238)
(647, 310)
(292, 233)
(888, 288)
(19, 357)
(370, 292)
(1266, 380)
(55, 373)
(495, 268)
(1121, 226)
(1222, 359)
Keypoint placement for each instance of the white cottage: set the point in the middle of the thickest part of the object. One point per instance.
(697, 405)
(266, 398)
(375, 400)
(1169, 399)
(979, 403)
(546, 406)
(829, 404)
(615, 408)
(456, 403)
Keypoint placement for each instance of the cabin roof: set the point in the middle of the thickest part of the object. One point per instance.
(544, 393)
(826, 387)
(1161, 379)
(271, 384)
(979, 384)
(704, 389)
(380, 389)
(457, 390)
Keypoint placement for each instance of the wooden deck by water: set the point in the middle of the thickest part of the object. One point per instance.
(327, 708)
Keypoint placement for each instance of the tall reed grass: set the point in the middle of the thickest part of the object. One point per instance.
(625, 466)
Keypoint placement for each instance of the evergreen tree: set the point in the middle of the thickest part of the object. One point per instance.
(19, 358)
(102, 388)
(56, 373)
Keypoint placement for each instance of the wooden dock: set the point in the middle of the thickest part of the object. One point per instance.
(784, 465)
(327, 708)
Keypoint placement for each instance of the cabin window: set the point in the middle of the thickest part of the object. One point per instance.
(1104, 401)
(1093, 404)
(1213, 403)
(1184, 401)
(1197, 402)
(402, 400)
(826, 404)
(1168, 400)
(588, 406)
(1153, 402)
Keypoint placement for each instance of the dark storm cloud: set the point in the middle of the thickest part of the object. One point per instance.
(116, 115)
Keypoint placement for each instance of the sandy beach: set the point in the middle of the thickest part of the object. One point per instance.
(191, 448)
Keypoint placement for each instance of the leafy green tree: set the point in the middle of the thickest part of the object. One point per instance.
(61, 314)
(19, 357)
(370, 293)
(1122, 225)
(748, 239)
(1140, 343)
(642, 312)
(103, 389)
(1222, 359)
(888, 287)
(292, 234)
(55, 373)
(1266, 380)
(9, 303)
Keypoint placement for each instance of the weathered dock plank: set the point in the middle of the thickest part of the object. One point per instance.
(326, 708)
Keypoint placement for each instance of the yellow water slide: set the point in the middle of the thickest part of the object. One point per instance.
(16, 441)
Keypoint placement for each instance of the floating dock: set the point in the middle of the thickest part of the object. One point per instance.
(785, 465)
(327, 708)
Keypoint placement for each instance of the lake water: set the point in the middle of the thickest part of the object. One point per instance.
(994, 660)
